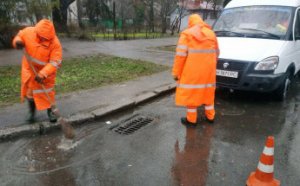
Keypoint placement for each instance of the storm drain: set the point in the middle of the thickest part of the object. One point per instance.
(132, 124)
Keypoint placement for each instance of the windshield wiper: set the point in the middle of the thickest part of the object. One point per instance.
(267, 33)
(230, 33)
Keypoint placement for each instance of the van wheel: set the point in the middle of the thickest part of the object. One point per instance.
(281, 92)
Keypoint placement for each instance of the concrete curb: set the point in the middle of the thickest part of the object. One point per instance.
(81, 118)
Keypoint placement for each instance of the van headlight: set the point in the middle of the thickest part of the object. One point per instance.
(269, 63)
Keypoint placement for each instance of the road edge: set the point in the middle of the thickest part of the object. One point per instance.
(44, 127)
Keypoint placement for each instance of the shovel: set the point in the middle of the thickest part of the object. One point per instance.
(67, 128)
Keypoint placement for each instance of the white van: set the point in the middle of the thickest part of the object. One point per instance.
(259, 43)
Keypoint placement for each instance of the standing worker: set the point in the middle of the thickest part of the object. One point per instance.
(43, 52)
(195, 69)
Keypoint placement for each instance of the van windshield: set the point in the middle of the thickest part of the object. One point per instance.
(270, 22)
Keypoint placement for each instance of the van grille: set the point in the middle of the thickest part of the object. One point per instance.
(238, 66)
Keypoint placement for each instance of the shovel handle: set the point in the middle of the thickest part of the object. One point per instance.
(43, 86)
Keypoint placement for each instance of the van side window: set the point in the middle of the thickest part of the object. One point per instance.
(297, 26)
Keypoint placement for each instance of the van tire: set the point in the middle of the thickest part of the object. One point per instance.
(282, 91)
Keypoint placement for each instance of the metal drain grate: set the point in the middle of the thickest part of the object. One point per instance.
(132, 124)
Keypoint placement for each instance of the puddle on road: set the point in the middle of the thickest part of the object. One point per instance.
(228, 109)
(51, 153)
(67, 144)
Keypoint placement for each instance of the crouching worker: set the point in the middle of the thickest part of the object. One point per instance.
(42, 57)
(194, 69)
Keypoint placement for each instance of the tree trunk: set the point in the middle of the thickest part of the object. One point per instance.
(60, 15)
(115, 23)
(79, 14)
(164, 25)
(152, 16)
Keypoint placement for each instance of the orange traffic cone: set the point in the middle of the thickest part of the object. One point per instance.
(263, 176)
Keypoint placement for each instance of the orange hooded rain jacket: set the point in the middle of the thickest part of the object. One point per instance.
(45, 55)
(195, 64)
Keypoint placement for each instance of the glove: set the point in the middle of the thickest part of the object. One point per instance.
(175, 78)
(19, 45)
(39, 79)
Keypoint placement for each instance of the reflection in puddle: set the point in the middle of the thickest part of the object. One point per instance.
(191, 164)
(45, 155)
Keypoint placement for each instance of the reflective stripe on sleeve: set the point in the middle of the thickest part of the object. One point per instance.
(181, 53)
(58, 62)
(188, 86)
(182, 47)
(206, 51)
(55, 63)
(37, 91)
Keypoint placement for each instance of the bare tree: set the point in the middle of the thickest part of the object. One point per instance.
(6, 33)
(167, 7)
(97, 10)
(213, 4)
(126, 14)
(60, 13)
(6, 7)
(139, 14)
(149, 13)
(38, 9)
(181, 10)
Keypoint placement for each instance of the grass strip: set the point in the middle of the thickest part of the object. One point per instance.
(80, 74)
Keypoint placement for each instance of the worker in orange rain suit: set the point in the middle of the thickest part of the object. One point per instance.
(43, 50)
(195, 69)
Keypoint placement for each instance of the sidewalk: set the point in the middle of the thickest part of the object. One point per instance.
(88, 105)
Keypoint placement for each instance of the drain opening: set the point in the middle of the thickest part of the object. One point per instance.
(133, 124)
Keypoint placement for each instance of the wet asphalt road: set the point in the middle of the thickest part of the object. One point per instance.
(143, 49)
(164, 152)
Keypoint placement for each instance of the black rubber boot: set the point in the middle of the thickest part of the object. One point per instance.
(31, 113)
(51, 116)
(211, 121)
(185, 122)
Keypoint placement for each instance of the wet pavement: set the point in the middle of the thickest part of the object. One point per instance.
(143, 49)
(164, 152)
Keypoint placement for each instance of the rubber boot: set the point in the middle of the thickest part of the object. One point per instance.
(31, 113)
(51, 116)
